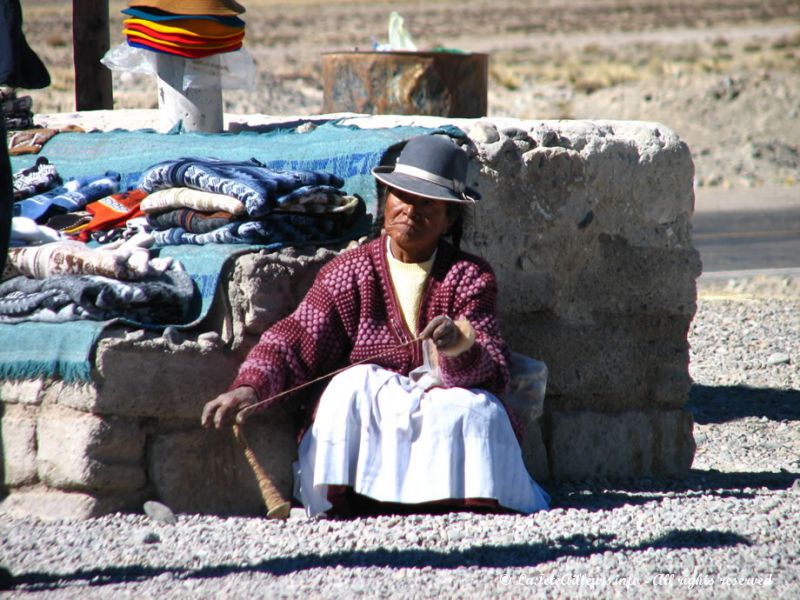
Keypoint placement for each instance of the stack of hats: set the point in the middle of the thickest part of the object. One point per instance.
(187, 28)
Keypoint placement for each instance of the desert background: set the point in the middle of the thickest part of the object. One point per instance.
(723, 74)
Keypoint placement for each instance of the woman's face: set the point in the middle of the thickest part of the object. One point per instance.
(414, 224)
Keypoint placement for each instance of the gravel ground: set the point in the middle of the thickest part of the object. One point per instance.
(729, 530)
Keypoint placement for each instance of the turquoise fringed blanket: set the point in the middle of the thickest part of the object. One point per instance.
(60, 350)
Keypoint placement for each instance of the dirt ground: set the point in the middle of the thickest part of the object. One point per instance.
(724, 74)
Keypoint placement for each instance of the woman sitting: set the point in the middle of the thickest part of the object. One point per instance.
(420, 423)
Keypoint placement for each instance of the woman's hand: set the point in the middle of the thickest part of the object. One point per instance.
(442, 331)
(221, 410)
(450, 337)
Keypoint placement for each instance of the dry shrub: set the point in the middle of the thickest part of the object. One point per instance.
(58, 39)
(787, 41)
(504, 76)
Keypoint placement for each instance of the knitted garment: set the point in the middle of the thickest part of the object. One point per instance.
(408, 281)
(316, 198)
(164, 200)
(69, 223)
(30, 141)
(275, 230)
(191, 221)
(351, 314)
(40, 177)
(16, 104)
(258, 186)
(74, 195)
(164, 299)
(76, 258)
(112, 211)
(25, 232)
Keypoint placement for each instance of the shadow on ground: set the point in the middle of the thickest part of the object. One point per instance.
(719, 404)
(599, 495)
(485, 556)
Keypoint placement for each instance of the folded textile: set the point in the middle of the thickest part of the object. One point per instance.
(69, 222)
(18, 121)
(276, 230)
(73, 195)
(317, 199)
(162, 299)
(38, 178)
(192, 221)
(253, 183)
(16, 104)
(127, 262)
(172, 198)
(30, 350)
(29, 141)
(25, 231)
(111, 212)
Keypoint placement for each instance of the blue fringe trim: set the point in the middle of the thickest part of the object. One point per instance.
(68, 371)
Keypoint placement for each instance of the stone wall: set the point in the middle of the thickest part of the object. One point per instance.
(587, 226)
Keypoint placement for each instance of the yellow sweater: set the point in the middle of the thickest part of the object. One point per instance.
(408, 281)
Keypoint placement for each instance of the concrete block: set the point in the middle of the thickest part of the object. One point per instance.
(588, 444)
(610, 364)
(153, 378)
(620, 278)
(23, 391)
(18, 437)
(80, 451)
(534, 452)
(265, 287)
(205, 471)
(56, 505)
(77, 395)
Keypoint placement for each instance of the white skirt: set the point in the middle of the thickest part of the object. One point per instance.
(393, 441)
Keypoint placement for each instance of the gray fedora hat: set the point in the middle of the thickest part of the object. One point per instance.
(431, 166)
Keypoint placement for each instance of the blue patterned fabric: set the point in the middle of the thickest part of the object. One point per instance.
(73, 196)
(276, 230)
(255, 184)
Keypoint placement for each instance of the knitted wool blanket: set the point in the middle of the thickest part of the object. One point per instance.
(155, 300)
(70, 197)
(278, 229)
(255, 184)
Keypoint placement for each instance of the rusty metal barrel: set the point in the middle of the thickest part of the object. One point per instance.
(438, 83)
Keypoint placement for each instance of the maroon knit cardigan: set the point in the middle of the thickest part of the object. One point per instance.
(351, 313)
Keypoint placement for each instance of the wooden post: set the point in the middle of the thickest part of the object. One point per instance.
(90, 41)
